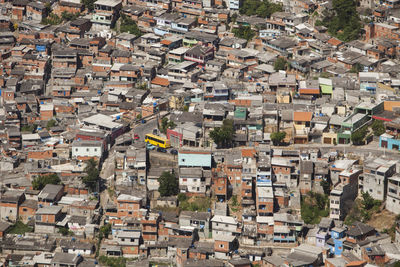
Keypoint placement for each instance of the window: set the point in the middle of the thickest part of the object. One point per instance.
(221, 245)
(391, 190)
(87, 149)
(24, 209)
(95, 150)
(76, 150)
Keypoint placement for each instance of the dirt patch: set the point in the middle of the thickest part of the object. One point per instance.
(382, 220)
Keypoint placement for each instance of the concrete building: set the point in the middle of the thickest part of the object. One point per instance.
(192, 180)
(224, 225)
(9, 204)
(83, 150)
(341, 199)
(199, 220)
(106, 13)
(375, 177)
(393, 194)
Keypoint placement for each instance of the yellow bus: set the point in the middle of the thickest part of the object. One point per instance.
(157, 141)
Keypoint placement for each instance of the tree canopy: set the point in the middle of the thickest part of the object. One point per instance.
(280, 64)
(358, 136)
(278, 137)
(378, 127)
(363, 209)
(344, 22)
(51, 123)
(89, 4)
(92, 175)
(223, 136)
(313, 207)
(42, 180)
(130, 26)
(356, 68)
(166, 124)
(260, 8)
(244, 32)
(169, 185)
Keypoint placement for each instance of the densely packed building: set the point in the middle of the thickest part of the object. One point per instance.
(199, 133)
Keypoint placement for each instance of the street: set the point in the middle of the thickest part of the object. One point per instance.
(143, 129)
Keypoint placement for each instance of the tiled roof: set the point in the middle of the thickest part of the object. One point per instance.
(302, 116)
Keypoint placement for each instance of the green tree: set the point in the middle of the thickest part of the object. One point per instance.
(234, 201)
(65, 231)
(42, 180)
(51, 123)
(378, 127)
(369, 206)
(182, 197)
(186, 108)
(326, 186)
(357, 138)
(234, 17)
(19, 228)
(260, 8)
(166, 124)
(280, 64)
(67, 16)
(169, 185)
(244, 32)
(362, 209)
(52, 19)
(105, 230)
(223, 136)
(92, 174)
(89, 4)
(130, 26)
(278, 137)
(344, 22)
(367, 201)
(356, 68)
(28, 128)
(313, 207)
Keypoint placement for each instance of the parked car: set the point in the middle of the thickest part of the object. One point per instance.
(150, 147)
(155, 131)
(162, 150)
(174, 152)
